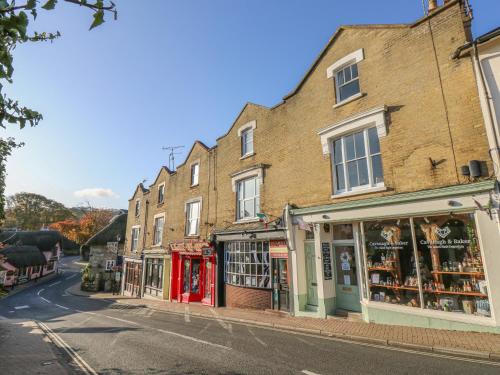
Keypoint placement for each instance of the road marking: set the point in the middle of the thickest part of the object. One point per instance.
(194, 339)
(57, 282)
(70, 277)
(309, 372)
(21, 307)
(58, 341)
(158, 330)
(187, 319)
(62, 307)
(256, 338)
(46, 300)
(3, 317)
(40, 291)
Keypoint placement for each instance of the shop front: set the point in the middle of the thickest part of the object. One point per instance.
(426, 259)
(156, 273)
(131, 281)
(193, 273)
(278, 250)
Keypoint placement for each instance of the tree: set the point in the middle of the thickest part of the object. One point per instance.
(81, 230)
(31, 211)
(14, 21)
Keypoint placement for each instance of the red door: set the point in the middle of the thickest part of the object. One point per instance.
(191, 279)
(208, 282)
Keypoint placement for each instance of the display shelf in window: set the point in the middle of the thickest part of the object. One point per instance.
(453, 260)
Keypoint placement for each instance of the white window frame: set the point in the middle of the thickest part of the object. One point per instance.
(134, 242)
(240, 203)
(248, 128)
(161, 188)
(372, 118)
(195, 174)
(349, 60)
(344, 162)
(187, 210)
(256, 172)
(158, 231)
(137, 208)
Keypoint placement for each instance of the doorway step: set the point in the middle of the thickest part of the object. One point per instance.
(350, 316)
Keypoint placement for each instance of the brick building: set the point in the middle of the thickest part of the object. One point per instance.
(366, 189)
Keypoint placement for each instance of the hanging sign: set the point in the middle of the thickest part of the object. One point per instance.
(278, 249)
(207, 251)
(327, 261)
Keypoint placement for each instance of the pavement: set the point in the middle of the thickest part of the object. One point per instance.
(89, 335)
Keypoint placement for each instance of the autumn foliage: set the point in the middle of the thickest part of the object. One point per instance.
(81, 230)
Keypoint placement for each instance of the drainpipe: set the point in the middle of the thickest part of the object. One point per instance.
(290, 239)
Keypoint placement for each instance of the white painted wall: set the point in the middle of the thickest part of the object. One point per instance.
(489, 56)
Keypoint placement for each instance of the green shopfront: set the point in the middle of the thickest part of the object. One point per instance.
(427, 259)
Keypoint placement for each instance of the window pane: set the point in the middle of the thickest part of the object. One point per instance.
(378, 175)
(257, 205)
(352, 172)
(348, 90)
(340, 78)
(349, 147)
(249, 208)
(347, 74)
(250, 188)
(339, 177)
(373, 140)
(363, 172)
(359, 140)
(354, 70)
(337, 151)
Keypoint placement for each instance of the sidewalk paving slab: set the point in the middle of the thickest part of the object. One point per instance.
(477, 345)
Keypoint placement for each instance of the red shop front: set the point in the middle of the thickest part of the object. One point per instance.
(193, 273)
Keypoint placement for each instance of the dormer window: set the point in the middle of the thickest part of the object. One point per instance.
(195, 173)
(161, 193)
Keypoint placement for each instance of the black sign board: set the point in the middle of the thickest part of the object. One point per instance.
(327, 261)
(207, 251)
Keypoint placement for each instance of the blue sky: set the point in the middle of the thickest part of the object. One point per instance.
(165, 73)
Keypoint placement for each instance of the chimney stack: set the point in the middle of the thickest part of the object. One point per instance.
(432, 5)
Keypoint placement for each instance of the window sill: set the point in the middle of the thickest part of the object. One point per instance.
(192, 236)
(348, 100)
(245, 221)
(160, 204)
(360, 192)
(194, 186)
(247, 156)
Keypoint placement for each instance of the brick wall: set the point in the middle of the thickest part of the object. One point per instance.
(247, 298)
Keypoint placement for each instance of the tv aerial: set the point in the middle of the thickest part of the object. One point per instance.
(171, 155)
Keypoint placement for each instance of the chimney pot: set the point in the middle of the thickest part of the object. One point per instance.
(432, 5)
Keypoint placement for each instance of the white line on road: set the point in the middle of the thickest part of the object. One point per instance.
(45, 299)
(21, 307)
(70, 277)
(256, 338)
(3, 318)
(57, 282)
(80, 362)
(194, 339)
(309, 372)
(62, 307)
(187, 319)
(40, 291)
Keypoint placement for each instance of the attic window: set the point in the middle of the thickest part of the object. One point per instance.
(161, 193)
(246, 134)
(345, 73)
(137, 207)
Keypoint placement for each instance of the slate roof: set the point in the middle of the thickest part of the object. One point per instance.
(23, 256)
(45, 240)
(116, 227)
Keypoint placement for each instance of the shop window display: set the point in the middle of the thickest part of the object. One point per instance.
(392, 270)
(455, 279)
(247, 264)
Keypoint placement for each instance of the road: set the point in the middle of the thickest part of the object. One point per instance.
(108, 338)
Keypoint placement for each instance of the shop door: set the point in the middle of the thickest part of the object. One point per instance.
(208, 284)
(312, 283)
(280, 284)
(347, 288)
(195, 280)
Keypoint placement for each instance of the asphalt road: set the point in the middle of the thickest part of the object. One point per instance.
(109, 338)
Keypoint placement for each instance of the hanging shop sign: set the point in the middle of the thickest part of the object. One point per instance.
(327, 261)
(207, 251)
(278, 249)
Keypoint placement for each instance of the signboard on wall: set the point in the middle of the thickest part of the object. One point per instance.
(278, 249)
(327, 260)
